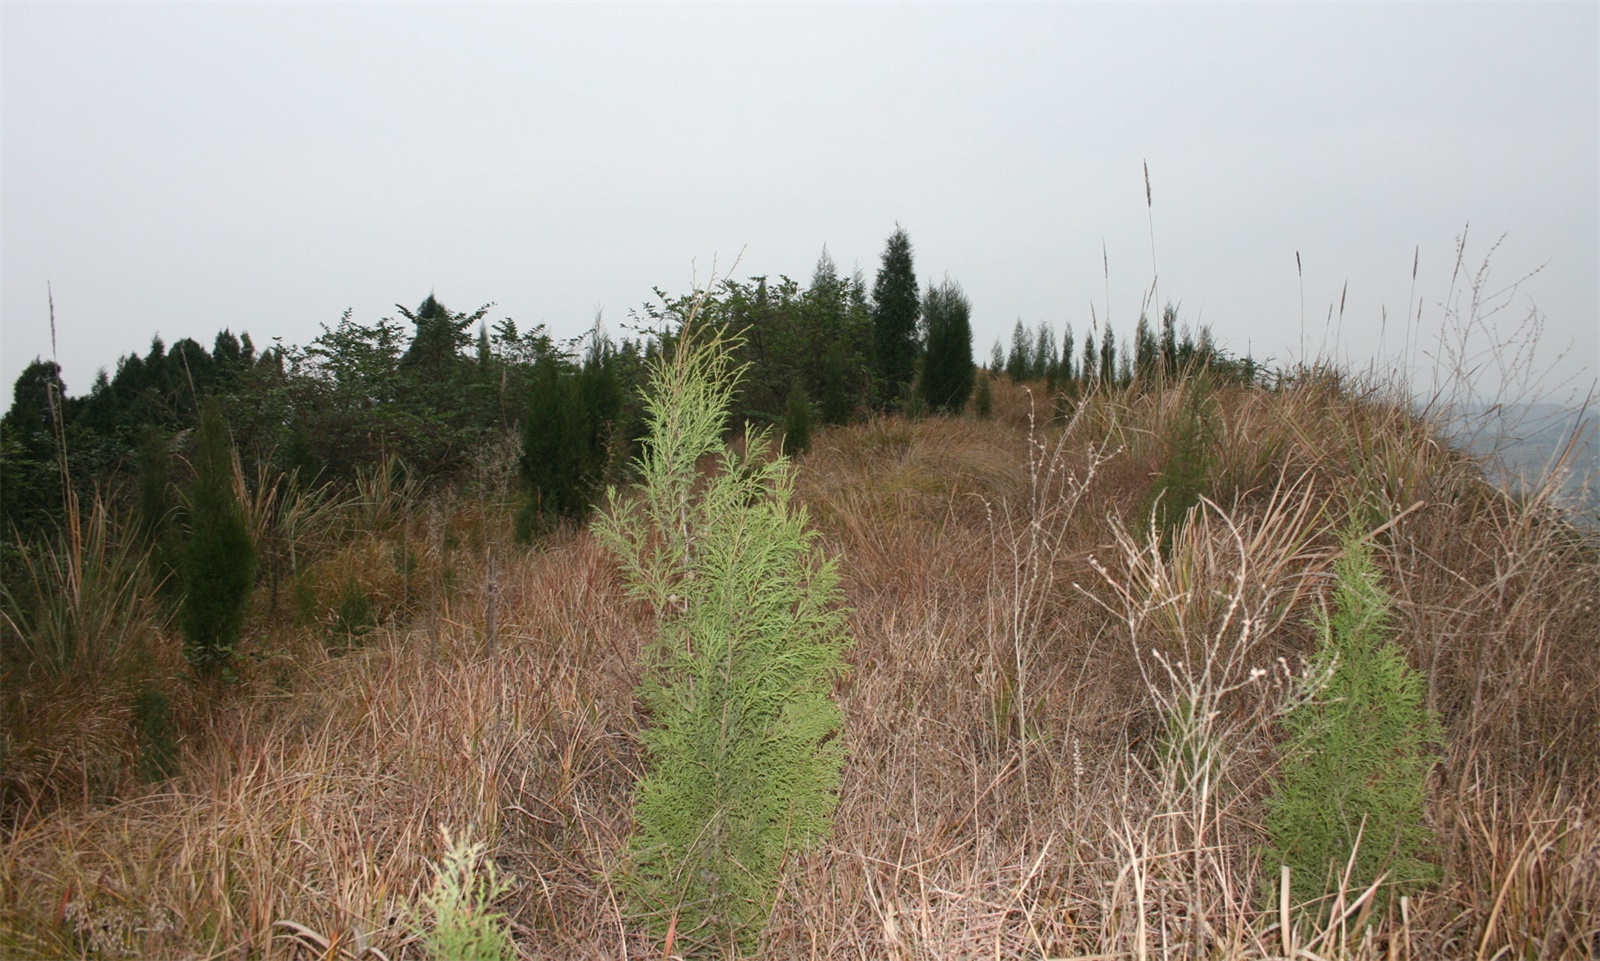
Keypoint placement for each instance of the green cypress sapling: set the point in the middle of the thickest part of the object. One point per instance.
(743, 754)
(219, 559)
(1358, 753)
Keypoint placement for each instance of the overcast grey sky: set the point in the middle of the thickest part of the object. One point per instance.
(181, 168)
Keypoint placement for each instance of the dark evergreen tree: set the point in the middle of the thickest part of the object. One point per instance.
(947, 371)
(997, 359)
(554, 458)
(31, 488)
(153, 512)
(896, 309)
(797, 421)
(441, 335)
(1091, 361)
(600, 394)
(227, 355)
(1169, 341)
(219, 558)
(1020, 362)
(1145, 350)
(1043, 353)
(1108, 358)
(1068, 359)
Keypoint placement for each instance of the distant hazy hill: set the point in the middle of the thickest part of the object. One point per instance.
(1528, 438)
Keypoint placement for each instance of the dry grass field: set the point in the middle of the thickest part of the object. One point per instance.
(1020, 647)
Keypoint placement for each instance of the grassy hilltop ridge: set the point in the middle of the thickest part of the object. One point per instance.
(1022, 632)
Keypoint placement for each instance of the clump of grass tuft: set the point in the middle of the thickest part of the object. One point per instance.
(81, 605)
(1186, 442)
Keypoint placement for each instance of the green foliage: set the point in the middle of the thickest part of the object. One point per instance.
(572, 434)
(984, 403)
(553, 456)
(1169, 341)
(797, 421)
(76, 604)
(353, 613)
(743, 757)
(459, 922)
(155, 508)
(30, 468)
(836, 406)
(896, 309)
(947, 371)
(1358, 752)
(219, 558)
(821, 335)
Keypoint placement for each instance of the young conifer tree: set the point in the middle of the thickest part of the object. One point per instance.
(219, 559)
(947, 372)
(1358, 755)
(896, 310)
(1019, 364)
(743, 758)
(796, 420)
(983, 401)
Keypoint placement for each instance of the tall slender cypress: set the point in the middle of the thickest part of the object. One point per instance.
(1020, 363)
(742, 754)
(895, 311)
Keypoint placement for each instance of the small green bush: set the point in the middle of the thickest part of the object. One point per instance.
(158, 745)
(353, 614)
(1358, 753)
(459, 923)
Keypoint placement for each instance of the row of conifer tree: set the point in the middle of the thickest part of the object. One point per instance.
(360, 394)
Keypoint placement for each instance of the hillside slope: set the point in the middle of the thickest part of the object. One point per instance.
(1024, 637)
